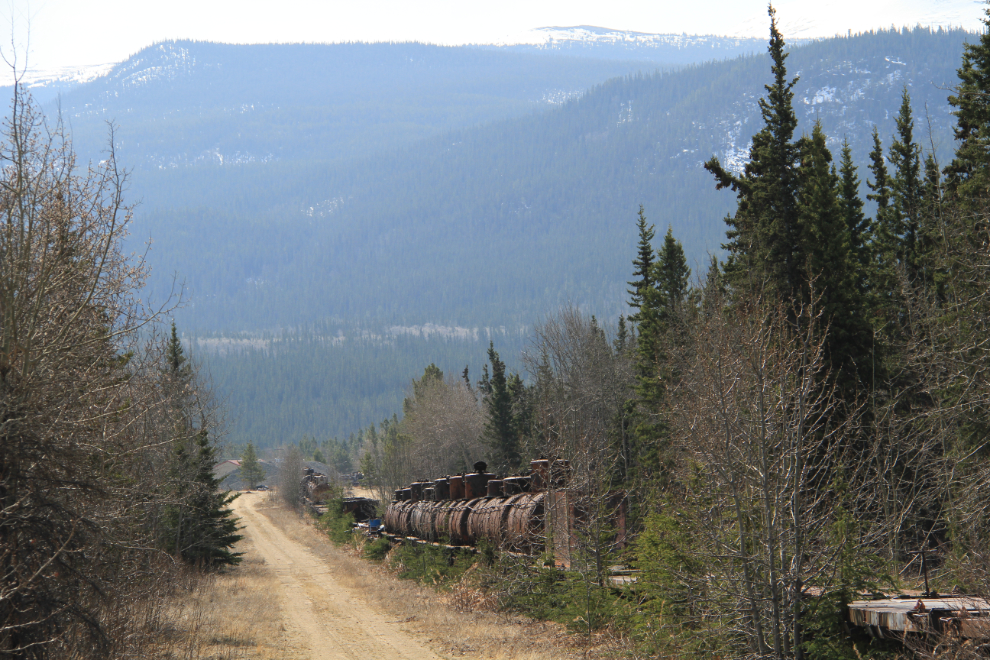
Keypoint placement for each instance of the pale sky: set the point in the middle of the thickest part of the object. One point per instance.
(66, 33)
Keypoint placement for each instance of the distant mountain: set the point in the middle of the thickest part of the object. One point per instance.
(183, 103)
(604, 43)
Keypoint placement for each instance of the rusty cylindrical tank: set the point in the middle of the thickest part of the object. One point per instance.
(456, 487)
(416, 491)
(441, 490)
(475, 484)
(495, 488)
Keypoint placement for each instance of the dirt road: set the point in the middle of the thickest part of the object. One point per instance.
(322, 615)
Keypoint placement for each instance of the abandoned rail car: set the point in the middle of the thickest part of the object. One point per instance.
(516, 513)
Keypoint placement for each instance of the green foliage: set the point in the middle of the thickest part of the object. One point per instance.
(252, 472)
(542, 591)
(336, 524)
(378, 549)
(502, 432)
(429, 564)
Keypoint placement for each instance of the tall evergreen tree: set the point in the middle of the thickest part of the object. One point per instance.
(501, 433)
(831, 266)
(906, 187)
(968, 175)
(672, 273)
(252, 472)
(643, 266)
(199, 526)
(764, 236)
(856, 221)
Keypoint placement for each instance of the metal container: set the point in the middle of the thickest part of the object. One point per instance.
(495, 488)
(476, 485)
(456, 487)
(405, 494)
(524, 523)
(441, 490)
(540, 474)
(457, 521)
(428, 494)
(421, 520)
(416, 491)
(515, 485)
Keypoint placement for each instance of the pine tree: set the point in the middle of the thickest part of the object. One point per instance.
(211, 528)
(252, 472)
(672, 273)
(856, 221)
(906, 188)
(968, 175)
(831, 266)
(643, 263)
(199, 526)
(500, 433)
(764, 235)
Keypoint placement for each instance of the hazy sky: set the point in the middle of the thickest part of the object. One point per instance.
(79, 32)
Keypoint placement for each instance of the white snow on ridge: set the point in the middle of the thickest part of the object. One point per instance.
(67, 74)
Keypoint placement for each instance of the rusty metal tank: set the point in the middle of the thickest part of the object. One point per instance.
(428, 494)
(421, 520)
(495, 488)
(441, 490)
(524, 523)
(515, 485)
(476, 484)
(457, 521)
(416, 491)
(456, 487)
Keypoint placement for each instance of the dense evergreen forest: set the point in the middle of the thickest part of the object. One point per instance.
(791, 430)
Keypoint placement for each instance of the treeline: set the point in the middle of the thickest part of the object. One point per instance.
(278, 387)
(108, 438)
(791, 428)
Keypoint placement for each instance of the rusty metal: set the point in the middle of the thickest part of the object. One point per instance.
(515, 485)
(476, 484)
(456, 487)
(441, 490)
(514, 513)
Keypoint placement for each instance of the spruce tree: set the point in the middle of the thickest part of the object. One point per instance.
(856, 221)
(906, 188)
(968, 175)
(831, 267)
(211, 529)
(672, 274)
(500, 432)
(643, 266)
(252, 472)
(764, 234)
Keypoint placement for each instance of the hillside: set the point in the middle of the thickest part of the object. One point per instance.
(337, 192)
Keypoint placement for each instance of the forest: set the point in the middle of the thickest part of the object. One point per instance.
(791, 426)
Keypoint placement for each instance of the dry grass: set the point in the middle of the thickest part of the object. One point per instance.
(226, 616)
(460, 623)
